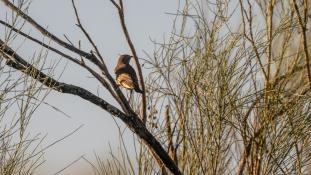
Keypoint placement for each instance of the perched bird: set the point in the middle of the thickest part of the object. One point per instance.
(126, 75)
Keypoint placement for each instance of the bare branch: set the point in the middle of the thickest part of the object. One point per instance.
(126, 107)
(303, 28)
(131, 45)
(132, 121)
(85, 32)
(50, 35)
(80, 63)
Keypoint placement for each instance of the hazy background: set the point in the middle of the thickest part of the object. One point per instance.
(146, 19)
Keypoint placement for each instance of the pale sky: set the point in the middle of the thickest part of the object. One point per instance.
(145, 19)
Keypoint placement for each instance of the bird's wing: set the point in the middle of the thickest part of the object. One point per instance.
(133, 75)
(126, 77)
(125, 81)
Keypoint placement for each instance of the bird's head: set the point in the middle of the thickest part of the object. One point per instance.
(125, 59)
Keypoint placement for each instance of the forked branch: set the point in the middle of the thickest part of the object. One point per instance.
(131, 45)
(132, 121)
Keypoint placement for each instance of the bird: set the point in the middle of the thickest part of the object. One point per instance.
(126, 75)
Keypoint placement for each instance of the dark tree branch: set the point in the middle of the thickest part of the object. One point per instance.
(82, 53)
(129, 117)
(132, 121)
(50, 35)
(80, 63)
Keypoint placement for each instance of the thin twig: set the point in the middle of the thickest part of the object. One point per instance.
(304, 34)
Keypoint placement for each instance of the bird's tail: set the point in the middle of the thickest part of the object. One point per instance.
(138, 90)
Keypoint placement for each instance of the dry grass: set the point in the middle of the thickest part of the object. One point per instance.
(235, 80)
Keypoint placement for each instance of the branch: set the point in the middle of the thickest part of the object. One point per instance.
(141, 78)
(246, 153)
(80, 63)
(304, 34)
(286, 107)
(131, 45)
(132, 121)
(82, 53)
(270, 39)
(85, 32)
(120, 97)
(50, 35)
(251, 38)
